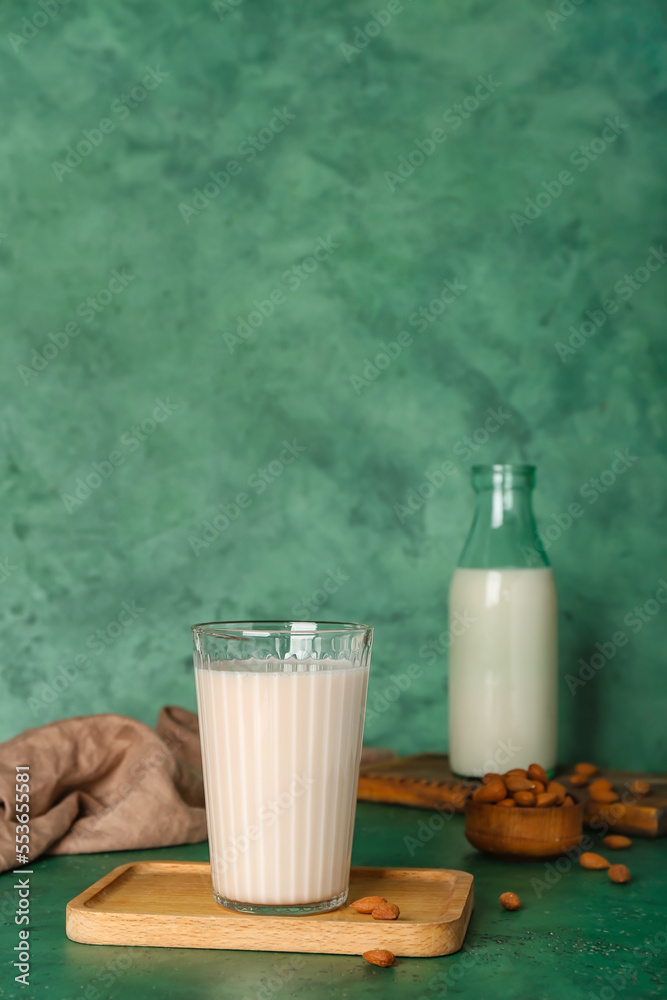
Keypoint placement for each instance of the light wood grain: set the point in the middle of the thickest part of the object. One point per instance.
(171, 905)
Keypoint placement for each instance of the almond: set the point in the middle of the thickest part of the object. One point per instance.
(640, 787)
(545, 799)
(515, 783)
(524, 798)
(568, 801)
(586, 769)
(619, 873)
(385, 911)
(594, 862)
(495, 791)
(539, 786)
(367, 903)
(599, 784)
(578, 780)
(616, 842)
(507, 802)
(560, 791)
(491, 776)
(604, 795)
(379, 956)
(510, 901)
(516, 770)
(537, 773)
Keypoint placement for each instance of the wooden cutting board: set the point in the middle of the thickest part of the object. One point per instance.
(643, 816)
(426, 781)
(169, 904)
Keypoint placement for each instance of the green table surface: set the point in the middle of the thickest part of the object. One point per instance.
(577, 935)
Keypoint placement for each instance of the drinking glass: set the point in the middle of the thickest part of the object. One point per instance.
(281, 716)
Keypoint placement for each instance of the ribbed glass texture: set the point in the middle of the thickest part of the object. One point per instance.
(281, 710)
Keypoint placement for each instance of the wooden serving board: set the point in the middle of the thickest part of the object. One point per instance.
(643, 816)
(170, 904)
(425, 780)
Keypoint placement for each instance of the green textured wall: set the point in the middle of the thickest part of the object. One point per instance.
(124, 292)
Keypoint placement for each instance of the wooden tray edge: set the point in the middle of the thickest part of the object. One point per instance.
(445, 937)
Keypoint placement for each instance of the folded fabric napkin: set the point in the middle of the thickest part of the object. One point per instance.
(105, 783)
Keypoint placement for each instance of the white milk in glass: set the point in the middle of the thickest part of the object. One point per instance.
(281, 761)
(503, 669)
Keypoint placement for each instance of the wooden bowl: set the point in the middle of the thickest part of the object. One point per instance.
(523, 832)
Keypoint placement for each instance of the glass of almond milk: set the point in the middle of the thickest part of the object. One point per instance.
(281, 717)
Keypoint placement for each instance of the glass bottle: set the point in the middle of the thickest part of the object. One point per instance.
(503, 633)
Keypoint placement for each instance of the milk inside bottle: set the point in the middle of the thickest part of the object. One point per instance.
(503, 634)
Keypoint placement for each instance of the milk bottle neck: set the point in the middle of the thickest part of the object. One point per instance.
(503, 532)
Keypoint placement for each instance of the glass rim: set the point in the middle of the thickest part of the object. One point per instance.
(520, 470)
(263, 629)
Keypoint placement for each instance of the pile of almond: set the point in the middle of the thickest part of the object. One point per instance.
(519, 787)
(601, 789)
(595, 862)
(380, 909)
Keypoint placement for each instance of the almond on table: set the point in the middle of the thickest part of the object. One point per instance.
(510, 901)
(379, 956)
(592, 861)
(616, 842)
(619, 873)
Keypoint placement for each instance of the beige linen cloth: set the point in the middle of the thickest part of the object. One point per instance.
(105, 783)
